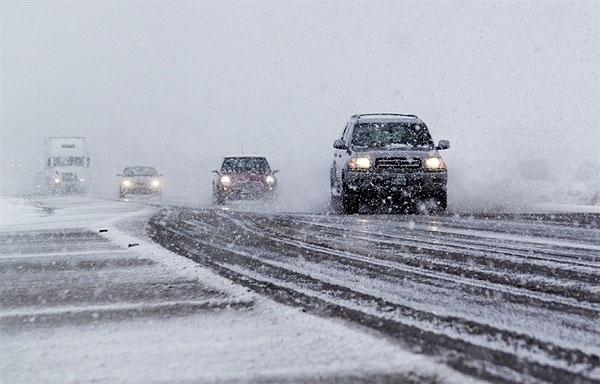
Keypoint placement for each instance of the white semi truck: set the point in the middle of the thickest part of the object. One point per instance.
(67, 162)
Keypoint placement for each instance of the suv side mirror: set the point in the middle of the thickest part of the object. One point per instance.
(443, 144)
(339, 144)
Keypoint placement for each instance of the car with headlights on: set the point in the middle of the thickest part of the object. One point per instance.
(140, 180)
(388, 159)
(244, 177)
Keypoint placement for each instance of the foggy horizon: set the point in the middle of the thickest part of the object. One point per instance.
(514, 87)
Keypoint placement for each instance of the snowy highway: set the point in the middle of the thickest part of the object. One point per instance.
(239, 295)
(86, 297)
(505, 297)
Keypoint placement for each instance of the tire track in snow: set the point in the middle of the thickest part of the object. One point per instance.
(231, 245)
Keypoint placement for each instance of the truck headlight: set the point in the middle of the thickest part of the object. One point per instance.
(270, 180)
(361, 162)
(434, 163)
(127, 183)
(226, 181)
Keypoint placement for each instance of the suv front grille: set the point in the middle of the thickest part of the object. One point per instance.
(398, 163)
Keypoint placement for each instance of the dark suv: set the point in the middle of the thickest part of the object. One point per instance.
(387, 158)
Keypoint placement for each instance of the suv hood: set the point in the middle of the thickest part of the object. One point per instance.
(398, 153)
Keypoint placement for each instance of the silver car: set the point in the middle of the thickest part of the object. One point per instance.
(140, 180)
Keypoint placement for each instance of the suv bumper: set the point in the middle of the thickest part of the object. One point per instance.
(391, 183)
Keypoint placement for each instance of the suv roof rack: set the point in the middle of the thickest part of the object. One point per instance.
(382, 114)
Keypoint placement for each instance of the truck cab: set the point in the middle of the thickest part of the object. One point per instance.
(67, 162)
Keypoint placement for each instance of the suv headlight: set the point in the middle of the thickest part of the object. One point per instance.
(434, 163)
(360, 162)
(226, 181)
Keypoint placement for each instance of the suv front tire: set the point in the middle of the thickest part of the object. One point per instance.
(349, 201)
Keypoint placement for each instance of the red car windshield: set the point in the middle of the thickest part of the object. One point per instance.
(245, 165)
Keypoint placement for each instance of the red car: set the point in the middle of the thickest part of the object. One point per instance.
(244, 177)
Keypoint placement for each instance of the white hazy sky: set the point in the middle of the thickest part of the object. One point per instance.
(514, 86)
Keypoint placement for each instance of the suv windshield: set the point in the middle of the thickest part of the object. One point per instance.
(391, 135)
(245, 164)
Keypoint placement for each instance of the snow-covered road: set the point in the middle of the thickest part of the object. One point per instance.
(504, 297)
(86, 297)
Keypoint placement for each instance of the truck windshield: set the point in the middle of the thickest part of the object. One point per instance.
(391, 136)
(68, 161)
